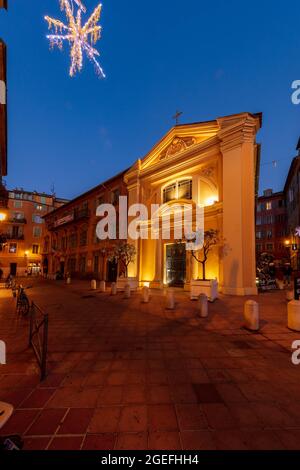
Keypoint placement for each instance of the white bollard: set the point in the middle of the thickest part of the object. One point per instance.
(127, 291)
(114, 288)
(170, 300)
(145, 292)
(294, 315)
(280, 284)
(203, 306)
(102, 286)
(251, 315)
(290, 295)
(68, 280)
(93, 284)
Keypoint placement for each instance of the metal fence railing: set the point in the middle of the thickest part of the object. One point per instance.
(38, 336)
(23, 305)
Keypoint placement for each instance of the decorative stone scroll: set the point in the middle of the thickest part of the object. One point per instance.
(208, 172)
(178, 145)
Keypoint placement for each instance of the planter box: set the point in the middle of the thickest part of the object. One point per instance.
(132, 281)
(209, 288)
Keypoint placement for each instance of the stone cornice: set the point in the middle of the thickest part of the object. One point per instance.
(192, 157)
(236, 132)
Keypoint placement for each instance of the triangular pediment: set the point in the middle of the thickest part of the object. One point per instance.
(178, 140)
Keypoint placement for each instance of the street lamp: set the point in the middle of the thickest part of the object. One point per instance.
(3, 217)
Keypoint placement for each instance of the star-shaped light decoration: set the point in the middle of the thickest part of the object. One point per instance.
(297, 232)
(81, 38)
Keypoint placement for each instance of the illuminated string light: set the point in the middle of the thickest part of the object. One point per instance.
(79, 4)
(81, 38)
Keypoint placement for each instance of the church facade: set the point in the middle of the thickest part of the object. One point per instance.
(215, 165)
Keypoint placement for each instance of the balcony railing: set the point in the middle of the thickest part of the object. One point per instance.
(17, 220)
(81, 214)
(12, 236)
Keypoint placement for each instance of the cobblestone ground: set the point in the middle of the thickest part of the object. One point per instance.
(127, 375)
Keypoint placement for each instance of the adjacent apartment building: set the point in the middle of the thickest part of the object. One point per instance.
(71, 245)
(271, 225)
(22, 231)
(278, 219)
(292, 194)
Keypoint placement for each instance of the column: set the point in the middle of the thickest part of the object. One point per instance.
(239, 160)
(159, 265)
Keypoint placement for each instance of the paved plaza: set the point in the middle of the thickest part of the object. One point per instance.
(128, 375)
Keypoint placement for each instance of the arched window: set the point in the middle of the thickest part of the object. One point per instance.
(181, 189)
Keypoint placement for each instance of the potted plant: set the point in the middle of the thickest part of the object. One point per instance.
(124, 254)
(209, 287)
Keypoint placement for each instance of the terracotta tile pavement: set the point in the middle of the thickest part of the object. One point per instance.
(126, 375)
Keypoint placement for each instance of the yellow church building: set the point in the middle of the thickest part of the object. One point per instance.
(215, 165)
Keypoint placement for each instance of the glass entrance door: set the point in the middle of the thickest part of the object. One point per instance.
(176, 264)
(112, 271)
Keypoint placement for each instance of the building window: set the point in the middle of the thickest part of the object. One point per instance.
(269, 246)
(258, 220)
(83, 238)
(37, 219)
(37, 232)
(43, 200)
(64, 241)
(99, 200)
(17, 232)
(12, 248)
(269, 219)
(96, 264)
(35, 249)
(71, 265)
(269, 234)
(17, 204)
(269, 206)
(115, 196)
(38, 207)
(82, 264)
(178, 190)
(259, 248)
(95, 239)
(46, 245)
(18, 215)
(73, 240)
(170, 193)
(185, 189)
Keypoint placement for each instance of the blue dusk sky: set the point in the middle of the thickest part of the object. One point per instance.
(207, 59)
